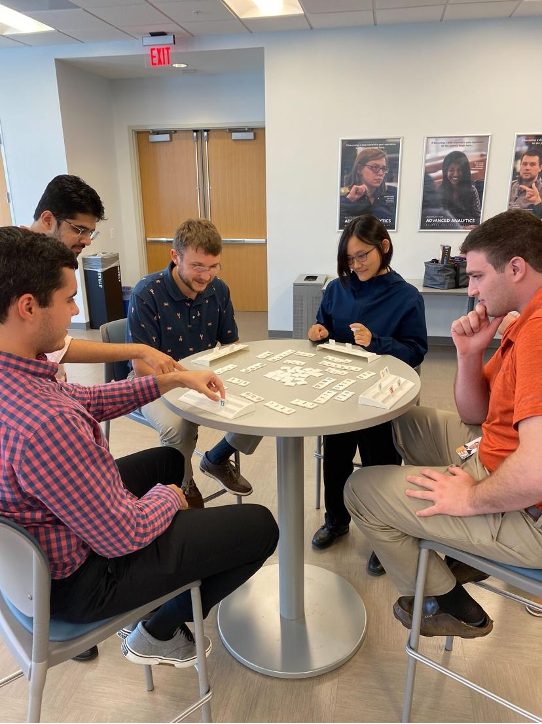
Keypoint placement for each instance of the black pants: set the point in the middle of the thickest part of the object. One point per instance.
(375, 446)
(223, 547)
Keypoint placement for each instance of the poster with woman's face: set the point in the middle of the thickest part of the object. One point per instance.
(454, 176)
(525, 190)
(369, 179)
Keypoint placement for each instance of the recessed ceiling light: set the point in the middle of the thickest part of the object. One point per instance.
(247, 9)
(179, 65)
(13, 23)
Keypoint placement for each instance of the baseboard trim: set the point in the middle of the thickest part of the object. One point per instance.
(79, 325)
(280, 334)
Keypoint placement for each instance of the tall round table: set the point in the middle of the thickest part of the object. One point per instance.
(294, 620)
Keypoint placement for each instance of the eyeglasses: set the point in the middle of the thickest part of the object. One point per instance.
(358, 258)
(377, 169)
(82, 231)
(212, 270)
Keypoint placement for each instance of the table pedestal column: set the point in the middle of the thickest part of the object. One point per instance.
(291, 620)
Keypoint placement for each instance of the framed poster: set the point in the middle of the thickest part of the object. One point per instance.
(369, 170)
(525, 188)
(453, 181)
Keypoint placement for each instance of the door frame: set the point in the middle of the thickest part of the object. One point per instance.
(4, 168)
(136, 171)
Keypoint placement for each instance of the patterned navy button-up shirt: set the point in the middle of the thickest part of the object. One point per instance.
(161, 316)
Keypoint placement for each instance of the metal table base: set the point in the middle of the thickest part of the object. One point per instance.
(330, 632)
(291, 620)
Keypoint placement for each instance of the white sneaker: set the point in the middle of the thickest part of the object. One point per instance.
(180, 650)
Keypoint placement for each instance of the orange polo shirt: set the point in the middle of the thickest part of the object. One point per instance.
(514, 379)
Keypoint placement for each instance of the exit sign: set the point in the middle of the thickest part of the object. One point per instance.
(160, 56)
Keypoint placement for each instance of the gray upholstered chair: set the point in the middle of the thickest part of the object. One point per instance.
(38, 642)
(115, 332)
(526, 579)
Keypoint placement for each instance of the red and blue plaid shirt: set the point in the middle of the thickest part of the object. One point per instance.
(57, 477)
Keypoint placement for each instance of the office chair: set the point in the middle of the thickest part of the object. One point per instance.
(526, 579)
(115, 333)
(37, 642)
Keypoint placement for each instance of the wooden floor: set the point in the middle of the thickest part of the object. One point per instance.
(368, 688)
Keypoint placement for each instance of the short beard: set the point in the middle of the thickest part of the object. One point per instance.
(188, 283)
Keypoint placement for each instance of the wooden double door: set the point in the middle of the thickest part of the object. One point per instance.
(213, 175)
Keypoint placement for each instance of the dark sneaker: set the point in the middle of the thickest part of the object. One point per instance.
(437, 623)
(374, 567)
(226, 474)
(180, 650)
(87, 655)
(327, 534)
(193, 496)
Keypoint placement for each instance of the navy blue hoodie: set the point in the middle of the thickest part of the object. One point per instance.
(389, 307)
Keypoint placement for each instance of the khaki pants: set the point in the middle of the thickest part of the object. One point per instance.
(375, 498)
(181, 434)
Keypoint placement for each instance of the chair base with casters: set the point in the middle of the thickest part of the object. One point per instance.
(526, 579)
(115, 332)
(38, 643)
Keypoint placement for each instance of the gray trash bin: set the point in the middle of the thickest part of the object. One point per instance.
(307, 297)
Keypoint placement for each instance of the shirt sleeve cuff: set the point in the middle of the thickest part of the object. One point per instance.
(145, 389)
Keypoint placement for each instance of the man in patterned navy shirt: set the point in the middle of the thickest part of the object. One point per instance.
(181, 310)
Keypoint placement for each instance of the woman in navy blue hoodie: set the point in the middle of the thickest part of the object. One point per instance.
(372, 305)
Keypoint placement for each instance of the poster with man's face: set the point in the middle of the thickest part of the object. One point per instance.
(454, 175)
(525, 190)
(369, 179)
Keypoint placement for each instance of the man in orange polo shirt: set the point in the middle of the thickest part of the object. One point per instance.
(486, 498)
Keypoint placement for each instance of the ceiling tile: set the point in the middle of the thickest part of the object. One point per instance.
(337, 6)
(50, 37)
(406, 3)
(23, 6)
(341, 20)
(68, 19)
(529, 8)
(91, 4)
(427, 14)
(217, 27)
(138, 31)
(194, 11)
(9, 43)
(125, 15)
(99, 36)
(291, 22)
(474, 11)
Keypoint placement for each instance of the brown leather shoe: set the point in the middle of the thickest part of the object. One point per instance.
(226, 474)
(192, 495)
(465, 573)
(437, 623)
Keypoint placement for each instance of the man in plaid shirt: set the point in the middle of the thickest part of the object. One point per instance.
(116, 535)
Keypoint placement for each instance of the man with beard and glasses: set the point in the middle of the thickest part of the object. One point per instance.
(183, 309)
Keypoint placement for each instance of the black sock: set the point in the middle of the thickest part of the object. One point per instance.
(462, 605)
(169, 617)
(221, 452)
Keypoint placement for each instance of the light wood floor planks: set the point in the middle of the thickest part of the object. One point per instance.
(368, 688)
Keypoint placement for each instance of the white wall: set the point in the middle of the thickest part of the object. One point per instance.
(406, 80)
(186, 102)
(31, 125)
(87, 123)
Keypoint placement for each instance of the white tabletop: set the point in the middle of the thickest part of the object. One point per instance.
(325, 419)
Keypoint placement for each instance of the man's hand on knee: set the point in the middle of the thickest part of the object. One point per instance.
(176, 489)
(450, 492)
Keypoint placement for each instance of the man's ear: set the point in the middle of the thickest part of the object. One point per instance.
(518, 268)
(48, 221)
(26, 307)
